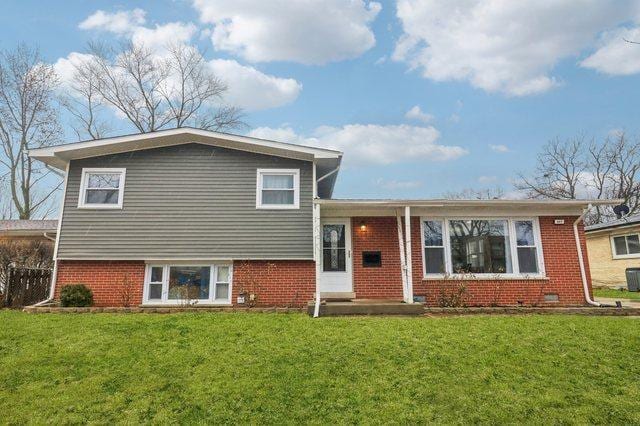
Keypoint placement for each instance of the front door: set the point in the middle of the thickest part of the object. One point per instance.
(335, 275)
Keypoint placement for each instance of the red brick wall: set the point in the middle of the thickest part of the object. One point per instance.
(559, 250)
(380, 234)
(275, 282)
(106, 279)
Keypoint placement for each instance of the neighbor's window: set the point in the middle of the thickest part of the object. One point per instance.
(480, 246)
(626, 245)
(101, 188)
(173, 284)
(278, 189)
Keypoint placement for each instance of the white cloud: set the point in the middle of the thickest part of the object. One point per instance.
(252, 89)
(65, 68)
(487, 179)
(394, 185)
(499, 148)
(130, 24)
(454, 118)
(372, 143)
(416, 113)
(164, 35)
(281, 30)
(501, 46)
(118, 22)
(615, 56)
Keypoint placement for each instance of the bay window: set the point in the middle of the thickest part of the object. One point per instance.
(482, 247)
(201, 284)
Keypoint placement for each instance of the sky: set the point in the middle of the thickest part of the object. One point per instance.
(424, 97)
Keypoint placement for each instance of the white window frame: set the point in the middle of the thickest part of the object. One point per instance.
(513, 248)
(278, 172)
(623, 256)
(83, 188)
(213, 280)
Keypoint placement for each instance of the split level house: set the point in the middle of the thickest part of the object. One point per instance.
(179, 215)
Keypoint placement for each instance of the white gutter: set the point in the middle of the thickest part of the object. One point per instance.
(583, 273)
(49, 238)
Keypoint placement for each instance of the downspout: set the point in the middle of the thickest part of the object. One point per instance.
(54, 273)
(583, 273)
(49, 238)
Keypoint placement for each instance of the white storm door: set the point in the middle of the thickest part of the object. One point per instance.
(335, 275)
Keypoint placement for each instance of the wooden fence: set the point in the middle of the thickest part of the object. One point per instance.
(25, 286)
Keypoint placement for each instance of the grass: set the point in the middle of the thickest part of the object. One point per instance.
(616, 294)
(290, 369)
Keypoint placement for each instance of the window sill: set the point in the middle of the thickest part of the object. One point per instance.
(276, 207)
(485, 278)
(626, 256)
(185, 305)
(100, 207)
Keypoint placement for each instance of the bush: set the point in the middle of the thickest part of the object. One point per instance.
(76, 295)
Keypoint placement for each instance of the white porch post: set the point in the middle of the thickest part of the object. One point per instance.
(317, 255)
(403, 263)
(409, 260)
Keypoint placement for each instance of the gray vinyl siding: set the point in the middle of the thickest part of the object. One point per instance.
(186, 202)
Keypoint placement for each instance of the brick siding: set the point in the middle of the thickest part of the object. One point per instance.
(114, 283)
(561, 264)
(275, 283)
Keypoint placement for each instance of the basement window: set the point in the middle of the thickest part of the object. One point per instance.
(188, 284)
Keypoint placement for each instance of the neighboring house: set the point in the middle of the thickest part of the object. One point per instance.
(613, 248)
(185, 215)
(29, 230)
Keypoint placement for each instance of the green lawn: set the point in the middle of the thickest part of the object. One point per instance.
(289, 368)
(616, 294)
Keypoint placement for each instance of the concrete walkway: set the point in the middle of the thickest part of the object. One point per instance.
(625, 302)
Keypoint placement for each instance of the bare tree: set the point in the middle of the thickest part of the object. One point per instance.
(28, 119)
(151, 91)
(84, 104)
(475, 194)
(558, 170)
(577, 168)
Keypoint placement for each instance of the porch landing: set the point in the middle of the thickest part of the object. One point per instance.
(366, 307)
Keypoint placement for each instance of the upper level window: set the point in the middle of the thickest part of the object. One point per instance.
(101, 188)
(278, 189)
(626, 246)
(481, 247)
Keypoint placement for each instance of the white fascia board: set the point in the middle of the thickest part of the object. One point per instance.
(58, 156)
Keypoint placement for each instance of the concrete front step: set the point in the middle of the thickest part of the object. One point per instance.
(337, 296)
(367, 307)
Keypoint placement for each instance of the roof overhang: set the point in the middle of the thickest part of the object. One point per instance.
(439, 207)
(59, 156)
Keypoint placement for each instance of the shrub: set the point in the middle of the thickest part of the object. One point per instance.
(76, 295)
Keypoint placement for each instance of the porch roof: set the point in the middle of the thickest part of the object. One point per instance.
(525, 207)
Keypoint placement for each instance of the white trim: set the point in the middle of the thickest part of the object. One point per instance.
(213, 281)
(615, 254)
(513, 249)
(260, 173)
(82, 204)
(409, 258)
